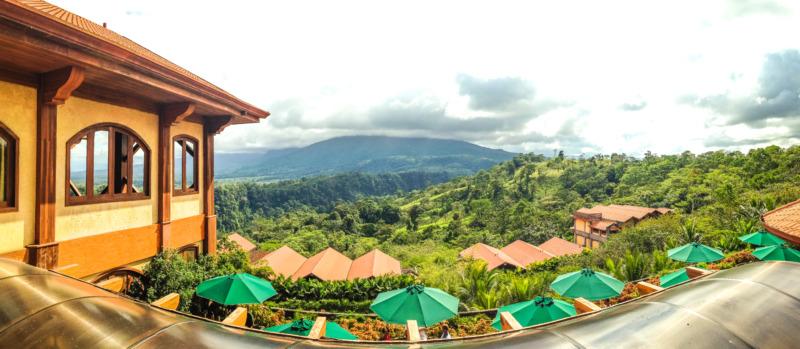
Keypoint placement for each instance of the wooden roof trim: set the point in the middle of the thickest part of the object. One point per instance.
(50, 26)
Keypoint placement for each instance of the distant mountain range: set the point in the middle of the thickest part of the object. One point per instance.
(370, 154)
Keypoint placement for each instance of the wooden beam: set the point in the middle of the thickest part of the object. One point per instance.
(694, 272)
(583, 305)
(211, 127)
(176, 112)
(113, 284)
(217, 124)
(647, 288)
(54, 89)
(508, 322)
(412, 331)
(57, 86)
(318, 330)
(170, 301)
(169, 115)
(237, 318)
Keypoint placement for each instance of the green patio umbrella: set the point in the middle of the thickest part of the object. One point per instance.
(761, 238)
(427, 305)
(777, 253)
(673, 278)
(241, 288)
(587, 283)
(695, 252)
(303, 326)
(536, 311)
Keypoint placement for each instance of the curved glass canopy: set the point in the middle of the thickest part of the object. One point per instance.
(756, 305)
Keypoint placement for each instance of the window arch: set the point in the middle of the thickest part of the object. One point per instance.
(105, 163)
(184, 165)
(9, 174)
(131, 278)
(189, 252)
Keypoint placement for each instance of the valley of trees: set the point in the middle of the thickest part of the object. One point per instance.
(529, 197)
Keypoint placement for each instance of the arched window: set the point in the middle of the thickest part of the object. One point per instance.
(131, 278)
(189, 252)
(9, 157)
(107, 162)
(184, 165)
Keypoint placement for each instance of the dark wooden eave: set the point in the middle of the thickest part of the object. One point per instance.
(32, 44)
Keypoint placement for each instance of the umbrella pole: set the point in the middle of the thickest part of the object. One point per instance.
(412, 331)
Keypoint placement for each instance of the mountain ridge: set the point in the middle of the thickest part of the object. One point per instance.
(369, 154)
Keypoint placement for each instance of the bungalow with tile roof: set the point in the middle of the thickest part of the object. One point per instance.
(519, 254)
(372, 264)
(784, 222)
(328, 265)
(493, 257)
(594, 225)
(242, 242)
(284, 261)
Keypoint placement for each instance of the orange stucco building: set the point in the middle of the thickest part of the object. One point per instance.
(594, 225)
(106, 148)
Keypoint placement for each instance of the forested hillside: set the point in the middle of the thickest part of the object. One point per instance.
(238, 203)
(532, 198)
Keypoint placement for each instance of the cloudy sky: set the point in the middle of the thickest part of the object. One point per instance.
(582, 76)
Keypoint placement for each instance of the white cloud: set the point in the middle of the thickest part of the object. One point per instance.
(601, 77)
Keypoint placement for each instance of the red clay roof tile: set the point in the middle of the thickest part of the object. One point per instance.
(284, 261)
(328, 265)
(374, 263)
(525, 253)
(493, 257)
(242, 242)
(784, 221)
(560, 247)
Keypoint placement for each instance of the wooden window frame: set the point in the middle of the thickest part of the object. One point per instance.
(128, 193)
(184, 190)
(11, 170)
(190, 248)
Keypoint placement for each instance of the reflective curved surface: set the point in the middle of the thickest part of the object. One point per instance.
(752, 306)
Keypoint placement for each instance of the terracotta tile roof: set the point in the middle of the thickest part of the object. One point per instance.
(602, 224)
(560, 247)
(622, 213)
(327, 265)
(63, 17)
(784, 221)
(493, 257)
(374, 263)
(242, 242)
(525, 253)
(284, 261)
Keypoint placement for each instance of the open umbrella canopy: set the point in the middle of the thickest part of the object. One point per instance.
(762, 238)
(303, 327)
(673, 278)
(587, 283)
(427, 305)
(241, 288)
(695, 252)
(777, 253)
(536, 311)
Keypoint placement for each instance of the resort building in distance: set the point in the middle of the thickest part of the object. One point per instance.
(106, 148)
(519, 254)
(594, 225)
(327, 265)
